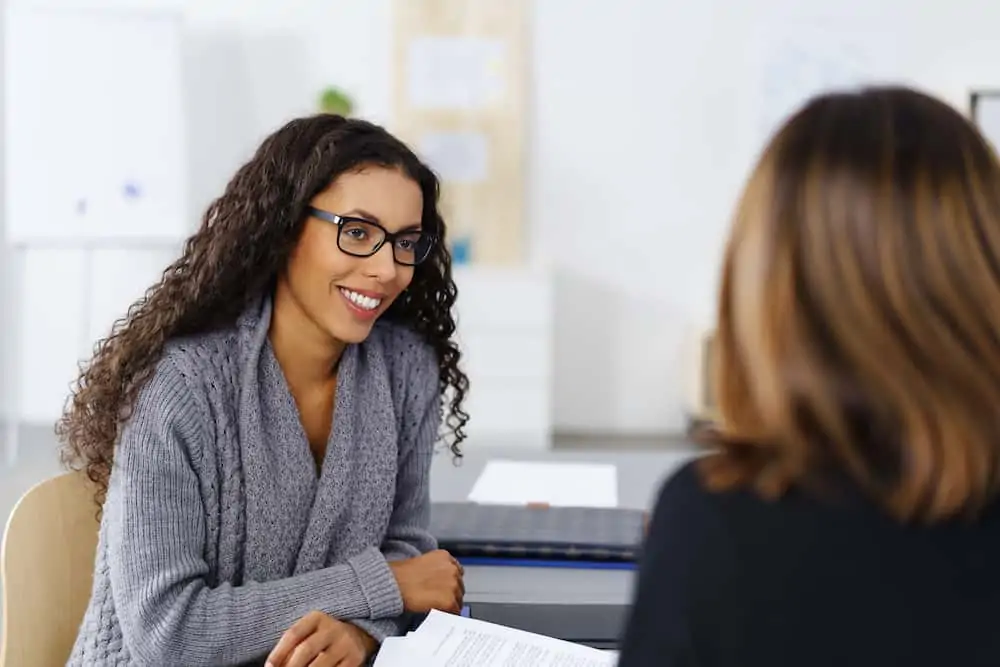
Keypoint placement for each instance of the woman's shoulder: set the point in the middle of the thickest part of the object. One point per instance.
(685, 504)
(406, 351)
(189, 370)
(206, 349)
(683, 491)
(210, 356)
(694, 540)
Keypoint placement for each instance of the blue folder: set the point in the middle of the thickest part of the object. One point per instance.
(539, 562)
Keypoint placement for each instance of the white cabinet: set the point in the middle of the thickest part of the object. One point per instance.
(505, 333)
(49, 340)
(68, 299)
(118, 277)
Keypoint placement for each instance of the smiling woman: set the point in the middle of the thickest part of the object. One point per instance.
(260, 426)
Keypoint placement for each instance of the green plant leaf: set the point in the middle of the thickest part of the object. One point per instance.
(334, 100)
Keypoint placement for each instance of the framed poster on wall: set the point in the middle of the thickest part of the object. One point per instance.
(459, 98)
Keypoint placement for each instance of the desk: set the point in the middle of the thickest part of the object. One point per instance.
(554, 595)
(639, 472)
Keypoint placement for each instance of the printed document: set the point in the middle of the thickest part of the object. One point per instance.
(446, 640)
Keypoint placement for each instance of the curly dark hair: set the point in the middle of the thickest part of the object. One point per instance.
(244, 241)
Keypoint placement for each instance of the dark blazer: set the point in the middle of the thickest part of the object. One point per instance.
(730, 580)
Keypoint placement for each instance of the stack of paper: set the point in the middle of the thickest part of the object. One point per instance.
(446, 640)
(545, 482)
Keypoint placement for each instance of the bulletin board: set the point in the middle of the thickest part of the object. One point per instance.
(459, 99)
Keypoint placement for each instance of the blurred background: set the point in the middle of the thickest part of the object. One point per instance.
(591, 153)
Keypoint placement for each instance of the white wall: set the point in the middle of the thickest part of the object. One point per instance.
(6, 323)
(645, 119)
(95, 202)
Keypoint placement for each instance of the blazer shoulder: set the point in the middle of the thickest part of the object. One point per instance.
(683, 500)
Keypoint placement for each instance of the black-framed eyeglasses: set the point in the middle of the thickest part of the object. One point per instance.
(363, 238)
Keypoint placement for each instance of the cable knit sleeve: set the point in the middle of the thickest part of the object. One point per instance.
(408, 534)
(168, 613)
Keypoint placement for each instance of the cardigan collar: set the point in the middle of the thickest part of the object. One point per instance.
(291, 522)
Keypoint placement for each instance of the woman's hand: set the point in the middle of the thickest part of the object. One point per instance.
(430, 581)
(317, 640)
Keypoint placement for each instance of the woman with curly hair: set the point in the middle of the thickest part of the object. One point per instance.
(260, 426)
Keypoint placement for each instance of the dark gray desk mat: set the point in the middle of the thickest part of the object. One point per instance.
(550, 532)
(579, 605)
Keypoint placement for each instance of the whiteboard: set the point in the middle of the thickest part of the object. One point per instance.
(94, 121)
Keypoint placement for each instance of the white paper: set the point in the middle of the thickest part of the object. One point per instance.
(446, 640)
(403, 652)
(457, 157)
(556, 484)
(456, 73)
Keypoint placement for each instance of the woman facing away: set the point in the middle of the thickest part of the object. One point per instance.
(261, 425)
(849, 514)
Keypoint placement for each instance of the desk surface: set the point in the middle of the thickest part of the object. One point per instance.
(639, 472)
(639, 477)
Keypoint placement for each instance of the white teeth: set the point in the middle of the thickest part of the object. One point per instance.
(360, 300)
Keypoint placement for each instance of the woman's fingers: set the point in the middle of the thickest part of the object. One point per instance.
(295, 635)
(327, 659)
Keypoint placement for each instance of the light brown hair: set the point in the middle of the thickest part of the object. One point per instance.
(859, 317)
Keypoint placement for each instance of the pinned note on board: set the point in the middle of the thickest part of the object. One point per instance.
(131, 190)
(456, 72)
(458, 157)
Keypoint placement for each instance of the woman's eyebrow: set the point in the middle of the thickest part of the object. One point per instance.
(361, 213)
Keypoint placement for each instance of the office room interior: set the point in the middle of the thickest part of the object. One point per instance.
(633, 125)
